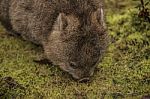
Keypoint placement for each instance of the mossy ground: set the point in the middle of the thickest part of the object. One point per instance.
(123, 73)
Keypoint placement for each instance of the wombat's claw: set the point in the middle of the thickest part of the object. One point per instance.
(43, 61)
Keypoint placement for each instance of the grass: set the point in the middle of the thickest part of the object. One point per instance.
(123, 73)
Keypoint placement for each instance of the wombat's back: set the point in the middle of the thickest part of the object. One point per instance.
(34, 19)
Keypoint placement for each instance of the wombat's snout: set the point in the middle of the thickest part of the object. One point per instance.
(77, 73)
(80, 79)
(83, 75)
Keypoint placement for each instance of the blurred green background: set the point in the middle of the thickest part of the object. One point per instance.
(123, 74)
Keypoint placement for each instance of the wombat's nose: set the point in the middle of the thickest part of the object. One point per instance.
(84, 79)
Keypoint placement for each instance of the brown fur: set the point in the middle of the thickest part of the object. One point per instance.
(72, 32)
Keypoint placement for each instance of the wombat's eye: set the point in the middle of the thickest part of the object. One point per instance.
(93, 41)
(73, 65)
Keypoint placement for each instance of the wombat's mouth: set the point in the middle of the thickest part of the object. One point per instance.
(76, 74)
(84, 80)
(78, 78)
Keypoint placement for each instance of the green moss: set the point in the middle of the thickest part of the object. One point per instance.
(123, 73)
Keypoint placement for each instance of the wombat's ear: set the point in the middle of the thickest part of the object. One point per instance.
(61, 22)
(98, 16)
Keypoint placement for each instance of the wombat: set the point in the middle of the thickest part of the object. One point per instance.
(71, 32)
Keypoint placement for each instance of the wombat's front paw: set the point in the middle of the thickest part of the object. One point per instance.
(43, 61)
(12, 34)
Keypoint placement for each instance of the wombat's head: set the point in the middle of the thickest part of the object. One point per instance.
(76, 43)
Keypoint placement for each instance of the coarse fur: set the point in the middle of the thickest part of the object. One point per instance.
(72, 32)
